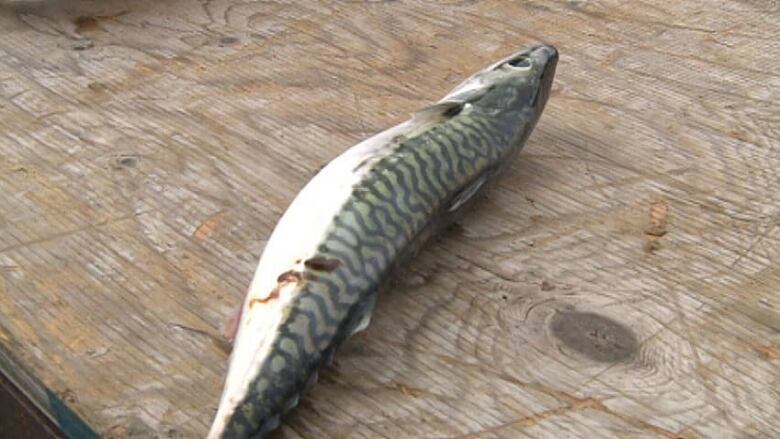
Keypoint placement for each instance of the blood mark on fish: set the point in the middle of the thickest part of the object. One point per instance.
(290, 276)
(318, 263)
(274, 295)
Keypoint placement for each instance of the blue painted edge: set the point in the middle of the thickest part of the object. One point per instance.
(69, 422)
(51, 405)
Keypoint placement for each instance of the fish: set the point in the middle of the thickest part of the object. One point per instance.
(366, 212)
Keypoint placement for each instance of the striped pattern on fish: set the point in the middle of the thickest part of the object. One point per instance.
(366, 211)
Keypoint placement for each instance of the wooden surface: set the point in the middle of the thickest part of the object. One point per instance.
(620, 281)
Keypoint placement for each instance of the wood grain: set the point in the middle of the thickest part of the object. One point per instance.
(620, 281)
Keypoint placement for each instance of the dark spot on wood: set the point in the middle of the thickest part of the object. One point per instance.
(128, 161)
(594, 336)
(83, 44)
(21, 171)
(97, 87)
(289, 276)
(318, 263)
(225, 346)
(85, 23)
(652, 245)
(547, 286)
(655, 231)
(226, 41)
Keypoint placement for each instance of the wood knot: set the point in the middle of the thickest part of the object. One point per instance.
(595, 336)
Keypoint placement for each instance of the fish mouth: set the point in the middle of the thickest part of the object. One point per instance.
(546, 56)
(544, 52)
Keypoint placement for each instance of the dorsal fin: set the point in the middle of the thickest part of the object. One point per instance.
(438, 112)
(469, 91)
(377, 147)
(445, 109)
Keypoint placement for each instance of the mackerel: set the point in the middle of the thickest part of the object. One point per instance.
(366, 211)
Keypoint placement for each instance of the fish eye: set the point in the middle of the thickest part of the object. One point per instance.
(521, 62)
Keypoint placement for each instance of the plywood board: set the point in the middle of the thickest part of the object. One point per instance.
(621, 280)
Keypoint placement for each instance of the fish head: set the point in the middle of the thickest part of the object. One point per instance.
(520, 82)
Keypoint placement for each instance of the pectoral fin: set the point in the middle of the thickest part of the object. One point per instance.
(362, 316)
(467, 192)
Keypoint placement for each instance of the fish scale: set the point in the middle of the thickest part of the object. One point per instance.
(362, 215)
